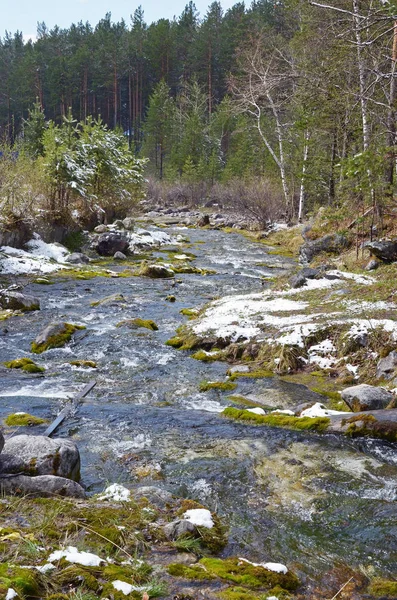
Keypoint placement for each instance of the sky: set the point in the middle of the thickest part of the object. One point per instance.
(23, 15)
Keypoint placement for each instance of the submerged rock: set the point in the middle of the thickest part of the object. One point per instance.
(17, 301)
(40, 455)
(366, 397)
(384, 250)
(333, 243)
(43, 486)
(109, 243)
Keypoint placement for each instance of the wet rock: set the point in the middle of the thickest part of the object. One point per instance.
(156, 496)
(384, 250)
(1, 441)
(77, 258)
(300, 278)
(372, 265)
(42, 486)
(55, 335)
(203, 221)
(119, 256)
(40, 455)
(333, 243)
(109, 243)
(386, 367)
(128, 223)
(178, 528)
(112, 300)
(366, 397)
(18, 301)
(156, 271)
(238, 369)
(101, 229)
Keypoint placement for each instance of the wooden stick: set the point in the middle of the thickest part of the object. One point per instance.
(69, 408)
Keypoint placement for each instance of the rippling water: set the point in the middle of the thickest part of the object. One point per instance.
(309, 501)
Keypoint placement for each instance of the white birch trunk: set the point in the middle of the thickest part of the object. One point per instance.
(302, 187)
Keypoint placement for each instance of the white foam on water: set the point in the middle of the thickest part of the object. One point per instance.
(41, 390)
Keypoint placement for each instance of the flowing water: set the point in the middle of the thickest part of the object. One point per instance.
(307, 500)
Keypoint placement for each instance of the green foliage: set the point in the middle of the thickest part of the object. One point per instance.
(217, 385)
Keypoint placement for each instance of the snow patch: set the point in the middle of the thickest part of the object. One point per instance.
(115, 492)
(270, 566)
(319, 410)
(200, 517)
(72, 555)
(256, 411)
(40, 258)
(11, 594)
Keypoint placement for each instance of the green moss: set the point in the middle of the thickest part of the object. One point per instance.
(84, 363)
(261, 373)
(217, 385)
(43, 281)
(279, 420)
(23, 420)
(239, 593)
(58, 340)
(135, 323)
(243, 573)
(77, 575)
(385, 588)
(195, 572)
(25, 364)
(189, 312)
(368, 426)
(243, 401)
(175, 342)
(26, 582)
(205, 356)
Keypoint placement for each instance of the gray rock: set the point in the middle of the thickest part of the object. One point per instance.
(372, 265)
(18, 301)
(41, 455)
(366, 397)
(238, 369)
(118, 223)
(77, 258)
(53, 330)
(178, 528)
(119, 256)
(156, 271)
(44, 486)
(384, 250)
(203, 221)
(101, 229)
(128, 223)
(107, 244)
(156, 496)
(333, 243)
(386, 367)
(1, 441)
(300, 278)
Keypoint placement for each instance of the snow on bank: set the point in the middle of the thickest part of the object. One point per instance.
(39, 258)
(72, 555)
(270, 566)
(153, 238)
(200, 517)
(116, 492)
(319, 410)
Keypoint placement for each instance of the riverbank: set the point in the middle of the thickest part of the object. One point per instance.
(293, 498)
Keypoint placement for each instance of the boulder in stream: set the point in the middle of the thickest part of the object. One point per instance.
(366, 397)
(155, 271)
(77, 258)
(40, 455)
(55, 335)
(43, 486)
(107, 244)
(17, 301)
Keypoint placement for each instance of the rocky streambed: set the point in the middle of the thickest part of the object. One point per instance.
(324, 505)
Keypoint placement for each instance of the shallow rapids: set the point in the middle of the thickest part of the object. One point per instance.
(309, 501)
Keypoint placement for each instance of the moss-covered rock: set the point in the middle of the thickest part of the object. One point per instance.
(207, 356)
(217, 385)
(23, 420)
(86, 364)
(111, 300)
(175, 342)
(189, 312)
(170, 298)
(247, 574)
(155, 271)
(278, 420)
(137, 323)
(383, 588)
(195, 572)
(25, 364)
(28, 583)
(54, 335)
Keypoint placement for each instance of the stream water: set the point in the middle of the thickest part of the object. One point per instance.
(312, 502)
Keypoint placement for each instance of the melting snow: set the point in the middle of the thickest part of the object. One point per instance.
(200, 517)
(72, 555)
(11, 594)
(40, 258)
(319, 410)
(270, 566)
(256, 411)
(115, 492)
